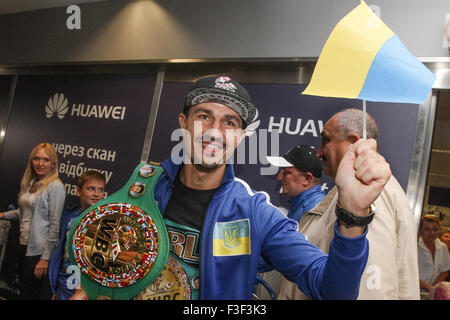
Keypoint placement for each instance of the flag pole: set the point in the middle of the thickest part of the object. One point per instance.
(364, 120)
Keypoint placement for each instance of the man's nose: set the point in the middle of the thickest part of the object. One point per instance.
(280, 175)
(218, 128)
(215, 131)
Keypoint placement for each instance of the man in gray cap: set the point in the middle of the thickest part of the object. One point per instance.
(300, 175)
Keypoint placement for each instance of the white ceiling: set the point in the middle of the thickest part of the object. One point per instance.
(15, 6)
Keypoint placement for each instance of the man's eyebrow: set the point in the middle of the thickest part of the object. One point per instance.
(227, 116)
(198, 110)
(324, 135)
(233, 117)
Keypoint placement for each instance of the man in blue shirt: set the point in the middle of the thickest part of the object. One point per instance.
(300, 175)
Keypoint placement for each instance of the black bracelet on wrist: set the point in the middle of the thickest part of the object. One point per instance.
(349, 219)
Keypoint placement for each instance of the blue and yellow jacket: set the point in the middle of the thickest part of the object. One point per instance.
(241, 224)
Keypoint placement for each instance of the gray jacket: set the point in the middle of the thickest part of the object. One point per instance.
(47, 210)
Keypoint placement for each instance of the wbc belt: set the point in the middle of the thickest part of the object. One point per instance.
(121, 243)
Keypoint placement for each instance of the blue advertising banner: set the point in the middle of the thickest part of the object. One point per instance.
(287, 118)
(93, 121)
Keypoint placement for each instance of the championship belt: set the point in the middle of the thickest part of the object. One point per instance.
(121, 243)
(171, 284)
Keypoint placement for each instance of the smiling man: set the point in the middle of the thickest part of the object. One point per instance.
(219, 227)
(233, 225)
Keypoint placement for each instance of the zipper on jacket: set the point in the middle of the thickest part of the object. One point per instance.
(202, 240)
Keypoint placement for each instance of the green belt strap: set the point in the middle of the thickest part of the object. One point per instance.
(121, 243)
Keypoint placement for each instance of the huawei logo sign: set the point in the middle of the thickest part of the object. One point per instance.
(57, 105)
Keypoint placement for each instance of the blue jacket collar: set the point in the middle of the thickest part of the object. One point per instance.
(298, 200)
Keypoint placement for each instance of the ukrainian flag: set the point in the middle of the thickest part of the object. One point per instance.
(232, 238)
(363, 59)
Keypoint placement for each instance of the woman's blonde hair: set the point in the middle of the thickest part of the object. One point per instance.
(29, 174)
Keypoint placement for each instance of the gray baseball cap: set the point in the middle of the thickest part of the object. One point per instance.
(224, 90)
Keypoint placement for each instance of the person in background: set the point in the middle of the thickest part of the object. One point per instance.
(41, 202)
(90, 190)
(300, 175)
(445, 236)
(434, 261)
(391, 269)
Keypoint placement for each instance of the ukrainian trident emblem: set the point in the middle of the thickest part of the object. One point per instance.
(230, 237)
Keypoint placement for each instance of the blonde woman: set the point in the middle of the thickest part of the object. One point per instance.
(41, 202)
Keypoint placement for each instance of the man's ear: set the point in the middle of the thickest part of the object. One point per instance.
(353, 138)
(309, 177)
(182, 120)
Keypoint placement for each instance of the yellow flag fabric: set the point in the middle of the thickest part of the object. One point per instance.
(364, 59)
(348, 54)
